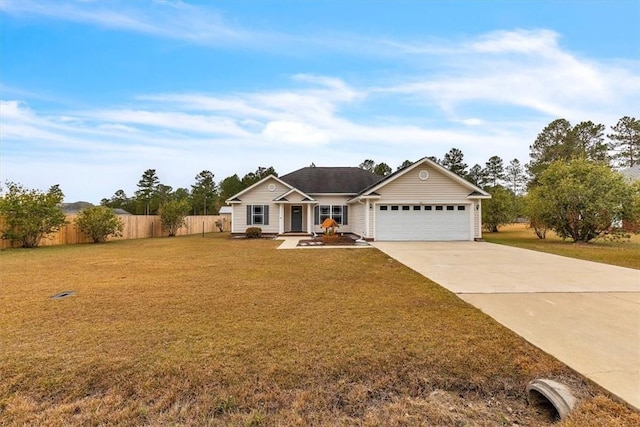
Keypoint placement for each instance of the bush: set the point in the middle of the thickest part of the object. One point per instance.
(581, 200)
(99, 222)
(499, 209)
(173, 214)
(253, 232)
(31, 214)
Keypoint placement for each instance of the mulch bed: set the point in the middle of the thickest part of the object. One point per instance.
(336, 240)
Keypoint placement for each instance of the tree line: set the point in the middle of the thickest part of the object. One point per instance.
(570, 186)
(205, 197)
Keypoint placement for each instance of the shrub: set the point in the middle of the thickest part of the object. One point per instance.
(581, 200)
(173, 214)
(253, 232)
(31, 214)
(499, 209)
(99, 222)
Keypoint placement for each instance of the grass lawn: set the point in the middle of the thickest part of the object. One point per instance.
(214, 331)
(622, 253)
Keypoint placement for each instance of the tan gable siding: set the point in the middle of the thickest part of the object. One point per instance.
(438, 188)
(294, 198)
(411, 189)
(259, 195)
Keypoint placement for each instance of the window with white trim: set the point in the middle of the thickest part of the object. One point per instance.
(339, 213)
(257, 215)
(336, 213)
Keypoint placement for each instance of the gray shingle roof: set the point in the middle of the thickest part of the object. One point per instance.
(315, 180)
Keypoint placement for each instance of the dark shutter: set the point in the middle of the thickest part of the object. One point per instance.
(345, 216)
(316, 215)
(265, 210)
(249, 222)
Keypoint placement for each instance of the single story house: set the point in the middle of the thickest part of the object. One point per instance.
(421, 202)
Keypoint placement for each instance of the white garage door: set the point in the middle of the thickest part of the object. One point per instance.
(423, 222)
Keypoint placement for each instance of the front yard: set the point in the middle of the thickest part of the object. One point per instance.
(214, 331)
(625, 253)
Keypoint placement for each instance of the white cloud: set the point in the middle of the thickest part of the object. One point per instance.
(490, 95)
(539, 42)
(526, 69)
(171, 121)
(283, 131)
(168, 19)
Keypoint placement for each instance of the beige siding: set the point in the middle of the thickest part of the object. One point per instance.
(438, 188)
(357, 218)
(259, 195)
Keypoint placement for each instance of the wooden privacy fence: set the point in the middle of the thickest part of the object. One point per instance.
(135, 227)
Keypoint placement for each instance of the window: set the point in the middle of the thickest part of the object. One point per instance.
(428, 208)
(461, 207)
(384, 208)
(338, 212)
(416, 208)
(405, 208)
(325, 212)
(449, 208)
(394, 208)
(257, 215)
(438, 208)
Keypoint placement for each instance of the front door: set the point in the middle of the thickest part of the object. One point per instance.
(296, 218)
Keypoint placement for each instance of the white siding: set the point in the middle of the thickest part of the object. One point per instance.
(477, 220)
(357, 218)
(372, 218)
(259, 195)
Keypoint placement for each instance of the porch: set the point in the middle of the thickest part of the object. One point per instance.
(295, 219)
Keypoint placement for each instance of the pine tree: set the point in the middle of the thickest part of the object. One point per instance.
(204, 193)
(148, 188)
(625, 141)
(454, 161)
(494, 170)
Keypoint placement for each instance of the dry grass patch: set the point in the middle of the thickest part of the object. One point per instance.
(212, 331)
(621, 253)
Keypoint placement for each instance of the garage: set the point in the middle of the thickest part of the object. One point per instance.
(441, 222)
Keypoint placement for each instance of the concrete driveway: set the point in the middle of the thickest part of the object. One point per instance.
(586, 314)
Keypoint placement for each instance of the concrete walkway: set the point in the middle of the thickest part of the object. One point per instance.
(585, 314)
(291, 242)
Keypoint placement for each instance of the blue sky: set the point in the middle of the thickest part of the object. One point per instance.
(95, 92)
